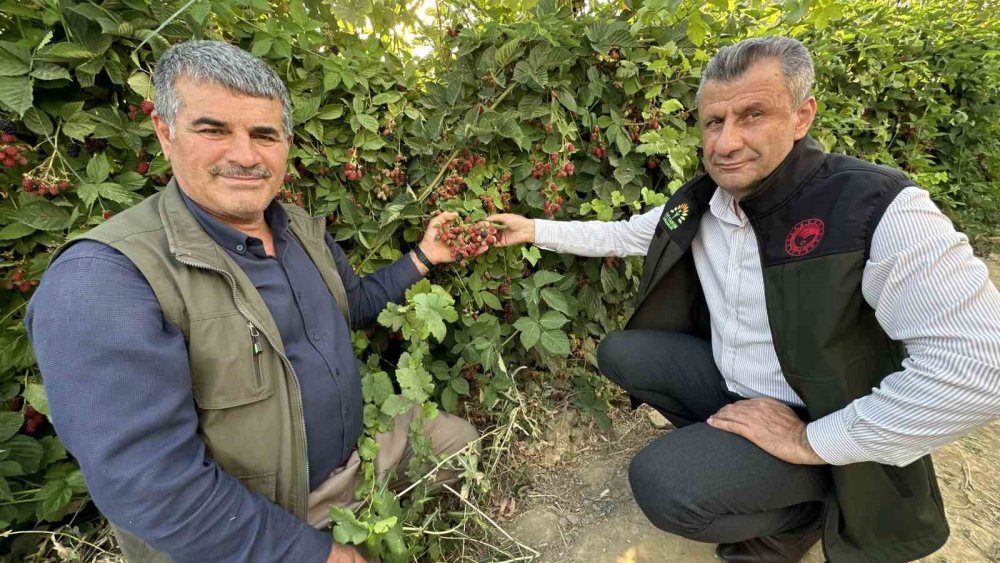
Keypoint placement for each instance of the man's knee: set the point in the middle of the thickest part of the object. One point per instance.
(612, 354)
(450, 434)
(665, 497)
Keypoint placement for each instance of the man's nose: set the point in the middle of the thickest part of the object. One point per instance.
(242, 150)
(729, 140)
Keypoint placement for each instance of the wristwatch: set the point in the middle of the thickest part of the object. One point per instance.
(423, 257)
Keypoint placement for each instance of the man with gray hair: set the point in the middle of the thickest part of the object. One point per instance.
(196, 348)
(811, 324)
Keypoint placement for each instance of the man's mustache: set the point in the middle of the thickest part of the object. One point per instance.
(240, 171)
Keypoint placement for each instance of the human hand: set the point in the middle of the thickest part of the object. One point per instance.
(771, 425)
(438, 251)
(517, 229)
(345, 554)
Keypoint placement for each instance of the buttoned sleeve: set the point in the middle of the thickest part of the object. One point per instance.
(599, 238)
(930, 292)
(119, 389)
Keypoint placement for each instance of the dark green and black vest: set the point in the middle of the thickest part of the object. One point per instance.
(814, 218)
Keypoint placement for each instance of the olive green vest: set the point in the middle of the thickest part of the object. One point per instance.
(813, 218)
(245, 389)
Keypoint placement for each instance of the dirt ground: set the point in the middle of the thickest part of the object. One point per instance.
(579, 507)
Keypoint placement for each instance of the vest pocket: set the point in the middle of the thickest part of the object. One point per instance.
(896, 476)
(264, 484)
(230, 365)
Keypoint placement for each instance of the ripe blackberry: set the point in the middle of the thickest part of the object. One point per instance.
(74, 148)
(7, 126)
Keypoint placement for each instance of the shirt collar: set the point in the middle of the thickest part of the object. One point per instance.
(723, 207)
(233, 239)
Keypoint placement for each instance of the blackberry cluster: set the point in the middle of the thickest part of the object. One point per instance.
(32, 420)
(287, 195)
(44, 187)
(352, 170)
(10, 156)
(18, 281)
(465, 238)
(73, 149)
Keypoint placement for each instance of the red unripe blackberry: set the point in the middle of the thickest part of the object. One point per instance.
(7, 138)
(24, 287)
(147, 107)
(11, 151)
(17, 276)
(106, 214)
(142, 168)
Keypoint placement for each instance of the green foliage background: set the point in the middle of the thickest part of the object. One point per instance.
(908, 84)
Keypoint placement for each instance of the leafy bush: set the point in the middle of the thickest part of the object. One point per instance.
(553, 108)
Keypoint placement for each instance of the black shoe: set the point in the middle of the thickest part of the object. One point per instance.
(768, 549)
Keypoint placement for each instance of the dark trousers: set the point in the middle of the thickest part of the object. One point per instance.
(696, 481)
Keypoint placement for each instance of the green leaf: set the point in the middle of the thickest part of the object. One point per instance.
(10, 423)
(65, 52)
(552, 320)
(34, 393)
(507, 53)
(331, 111)
(368, 122)
(624, 144)
(53, 498)
(555, 342)
(460, 385)
(16, 93)
(15, 351)
(347, 529)
(9, 66)
(15, 231)
(24, 450)
(545, 277)
(5, 490)
(141, 84)
(49, 71)
(43, 215)
(530, 331)
(396, 405)
(38, 122)
(53, 450)
(555, 299)
(697, 29)
(414, 380)
(98, 168)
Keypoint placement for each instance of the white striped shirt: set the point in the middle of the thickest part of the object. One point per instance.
(927, 288)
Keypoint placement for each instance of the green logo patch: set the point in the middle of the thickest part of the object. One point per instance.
(673, 218)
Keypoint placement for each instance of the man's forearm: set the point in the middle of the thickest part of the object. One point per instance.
(599, 238)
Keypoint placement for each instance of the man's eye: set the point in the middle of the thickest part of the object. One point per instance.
(211, 131)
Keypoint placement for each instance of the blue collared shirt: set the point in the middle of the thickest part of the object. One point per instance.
(119, 388)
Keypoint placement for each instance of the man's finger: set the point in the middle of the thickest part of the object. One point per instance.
(734, 426)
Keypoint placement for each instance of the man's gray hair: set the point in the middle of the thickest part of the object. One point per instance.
(731, 62)
(216, 63)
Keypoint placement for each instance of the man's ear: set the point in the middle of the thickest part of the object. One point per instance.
(804, 116)
(162, 133)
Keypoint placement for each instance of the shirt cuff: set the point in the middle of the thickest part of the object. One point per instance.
(313, 545)
(405, 273)
(830, 438)
(546, 233)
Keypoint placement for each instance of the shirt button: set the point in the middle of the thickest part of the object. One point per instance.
(316, 336)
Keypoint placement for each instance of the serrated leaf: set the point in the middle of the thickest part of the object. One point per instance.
(15, 350)
(697, 30)
(555, 342)
(507, 53)
(15, 231)
(433, 309)
(10, 423)
(530, 331)
(415, 382)
(38, 122)
(545, 277)
(64, 52)
(16, 94)
(386, 98)
(34, 393)
(368, 122)
(624, 144)
(53, 498)
(24, 450)
(98, 168)
(53, 450)
(141, 84)
(396, 405)
(331, 111)
(555, 299)
(5, 491)
(9, 66)
(49, 71)
(460, 385)
(44, 216)
(552, 320)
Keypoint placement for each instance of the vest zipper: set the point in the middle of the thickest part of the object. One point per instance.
(257, 349)
(302, 495)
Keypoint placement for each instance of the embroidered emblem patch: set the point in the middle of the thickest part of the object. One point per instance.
(673, 218)
(804, 237)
